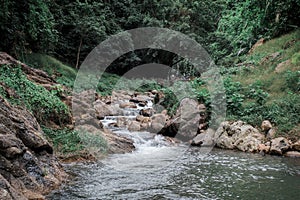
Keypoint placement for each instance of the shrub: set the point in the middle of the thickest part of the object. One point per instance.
(46, 106)
(293, 80)
(75, 141)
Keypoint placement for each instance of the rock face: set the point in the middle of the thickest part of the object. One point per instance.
(27, 165)
(239, 135)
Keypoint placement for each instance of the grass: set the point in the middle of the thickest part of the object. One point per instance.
(282, 105)
(67, 141)
(62, 73)
(45, 105)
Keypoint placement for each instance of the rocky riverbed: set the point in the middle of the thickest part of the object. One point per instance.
(29, 167)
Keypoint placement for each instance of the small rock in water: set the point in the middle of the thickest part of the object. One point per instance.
(294, 154)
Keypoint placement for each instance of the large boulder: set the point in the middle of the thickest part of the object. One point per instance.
(279, 146)
(28, 169)
(102, 109)
(157, 122)
(239, 135)
(205, 139)
(185, 124)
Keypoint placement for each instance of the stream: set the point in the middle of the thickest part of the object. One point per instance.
(158, 169)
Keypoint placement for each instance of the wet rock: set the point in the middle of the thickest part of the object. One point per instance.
(157, 122)
(239, 135)
(185, 123)
(279, 146)
(205, 139)
(25, 156)
(142, 119)
(127, 105)
(147, 112)
(140, 99)
(292, 154)
(134, 126)
(122, 122)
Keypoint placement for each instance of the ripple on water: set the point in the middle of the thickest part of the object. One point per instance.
(218, 175)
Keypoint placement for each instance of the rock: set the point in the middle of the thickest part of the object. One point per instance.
(271, 134)
(257, 44)
(293, 154)
(145, 126)
(266, 125)
(142, 104)
(127, 105)
(102, 109)
(154, 92)
(142, 119)
(279, 146)
(25, 156)
(205, 139)
(185, 123)
(281, 67)
(264, 148)
(270, 57)
(148, 112)
(122, 122)
(120, 95)
(140, 99)
(296, 146)
(134, 126)
(239, 135)
(156, 127)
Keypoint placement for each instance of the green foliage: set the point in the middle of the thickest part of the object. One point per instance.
(26, 25)
(293, 80)
(284, 112)
(296, 58)
(64, 140)
(244, 22)
(62, 73)
(72, 141)
(44, 105)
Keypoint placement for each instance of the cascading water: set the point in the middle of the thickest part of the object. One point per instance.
(159, 170)
(152, 151)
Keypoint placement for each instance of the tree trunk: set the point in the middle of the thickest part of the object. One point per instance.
(78, 53)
